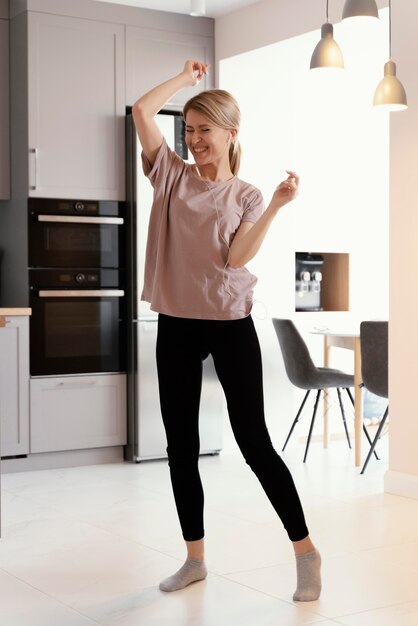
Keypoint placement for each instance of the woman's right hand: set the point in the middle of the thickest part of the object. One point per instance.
(194, 71)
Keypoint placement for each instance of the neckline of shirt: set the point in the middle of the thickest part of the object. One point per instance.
(209, 183)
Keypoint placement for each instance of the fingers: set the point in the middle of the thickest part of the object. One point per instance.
(289, 187)
(292, 182)
(287, 190)
(294, 176)
(198, 68)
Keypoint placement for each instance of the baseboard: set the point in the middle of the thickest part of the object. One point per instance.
(68, 458)
(401, 484)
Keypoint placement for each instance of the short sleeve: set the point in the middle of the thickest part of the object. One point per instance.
(253, 206)
(166, 161)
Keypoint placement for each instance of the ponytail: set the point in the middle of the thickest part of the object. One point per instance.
(235, 156)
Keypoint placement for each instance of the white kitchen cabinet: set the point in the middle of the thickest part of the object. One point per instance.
(4, 112)
(77, 412)
(153, 56)
(76, 107)
(14, 385)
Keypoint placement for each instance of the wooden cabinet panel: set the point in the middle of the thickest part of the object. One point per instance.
(14, 386)
(154, 56)
(77, 412)
(76, 81)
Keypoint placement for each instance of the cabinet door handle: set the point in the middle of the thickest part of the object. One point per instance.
(77, 383)
(34, 151)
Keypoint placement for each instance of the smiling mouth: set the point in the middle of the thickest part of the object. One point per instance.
(199, 150)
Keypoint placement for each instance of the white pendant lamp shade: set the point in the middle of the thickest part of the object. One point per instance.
(360, 8)
(390, 93)
(197, 7)
(327, 52)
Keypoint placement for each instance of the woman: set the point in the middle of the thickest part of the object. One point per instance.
(205, 225)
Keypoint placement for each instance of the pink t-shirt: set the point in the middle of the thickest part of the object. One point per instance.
(191, 227)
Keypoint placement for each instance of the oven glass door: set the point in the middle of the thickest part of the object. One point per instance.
(77, 332)
(67, 241)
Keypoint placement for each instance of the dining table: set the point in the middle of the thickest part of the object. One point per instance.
(346, 341)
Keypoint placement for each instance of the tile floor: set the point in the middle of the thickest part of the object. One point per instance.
(89, 545)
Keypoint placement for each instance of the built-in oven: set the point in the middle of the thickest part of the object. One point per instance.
(75, 233)
(78, 322)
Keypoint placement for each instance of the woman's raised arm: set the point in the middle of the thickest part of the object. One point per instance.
(146, 108)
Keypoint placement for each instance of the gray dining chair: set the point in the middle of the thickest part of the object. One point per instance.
(374, 369)
(302, 372)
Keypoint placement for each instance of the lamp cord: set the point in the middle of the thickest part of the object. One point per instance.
(327, 11)
(390, 29)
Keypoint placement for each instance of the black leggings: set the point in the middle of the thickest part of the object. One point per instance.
(182, 345)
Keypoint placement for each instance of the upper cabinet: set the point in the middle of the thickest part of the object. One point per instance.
(69, 92)
(76, 108)
(153, 56)
(4, 111)
(74, 75)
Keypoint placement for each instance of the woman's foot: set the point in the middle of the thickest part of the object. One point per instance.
(192, 571)
(308, 567)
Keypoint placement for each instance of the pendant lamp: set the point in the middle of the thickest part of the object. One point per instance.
(197, 8)
(360, 8)
(327, 53)
(390, 93)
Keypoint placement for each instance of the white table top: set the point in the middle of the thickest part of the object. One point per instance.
(332, 333)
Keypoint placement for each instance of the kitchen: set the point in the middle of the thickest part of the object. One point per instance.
(78, 401)
(312, 18)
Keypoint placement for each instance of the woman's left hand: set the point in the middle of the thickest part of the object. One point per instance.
(287, 190)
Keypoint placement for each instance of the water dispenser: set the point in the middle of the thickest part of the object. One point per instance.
(308, 281)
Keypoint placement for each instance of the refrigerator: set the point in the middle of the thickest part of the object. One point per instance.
(146, 436)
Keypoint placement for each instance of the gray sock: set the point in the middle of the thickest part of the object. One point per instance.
(192, 571)
(308, 568)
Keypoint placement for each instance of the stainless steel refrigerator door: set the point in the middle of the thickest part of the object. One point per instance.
(151, 441)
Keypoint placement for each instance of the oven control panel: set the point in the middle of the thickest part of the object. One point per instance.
(90, 278)
(67, 278)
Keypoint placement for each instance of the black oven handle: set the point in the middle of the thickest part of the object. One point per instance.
(81, 293)
(75, 219)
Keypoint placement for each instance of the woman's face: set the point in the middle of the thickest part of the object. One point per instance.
(207, 143)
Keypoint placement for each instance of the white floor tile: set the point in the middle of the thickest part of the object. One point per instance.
(400, 615)
(89, 545)
(351, 583)
(212, 602)
(71, 561)
(23, 605)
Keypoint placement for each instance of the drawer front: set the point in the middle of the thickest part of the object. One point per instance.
(77, 412)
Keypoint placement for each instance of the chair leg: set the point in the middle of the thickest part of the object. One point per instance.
(376, 439)
(366, 432)
(343, 416)
(295, 421)
(312, 424)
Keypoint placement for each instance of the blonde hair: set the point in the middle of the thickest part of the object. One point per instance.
(220, 108)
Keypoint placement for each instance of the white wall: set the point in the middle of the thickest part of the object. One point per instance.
(402, 477)
(271, 21)
(324, 127)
